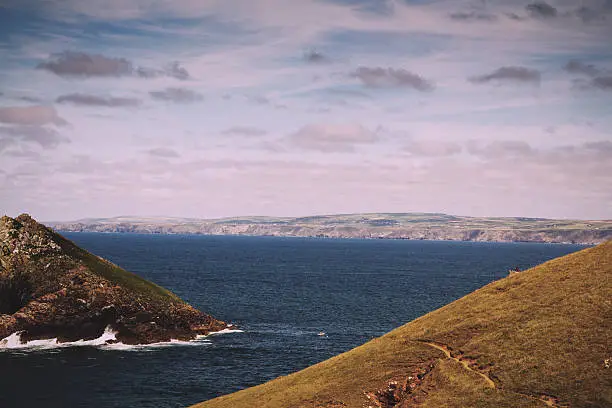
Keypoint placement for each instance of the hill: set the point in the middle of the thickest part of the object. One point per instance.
(534, 339)
(51, 288)
(380, 225)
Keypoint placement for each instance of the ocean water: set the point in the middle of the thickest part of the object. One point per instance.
(282, 292)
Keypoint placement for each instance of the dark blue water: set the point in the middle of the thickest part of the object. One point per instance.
(281, 291)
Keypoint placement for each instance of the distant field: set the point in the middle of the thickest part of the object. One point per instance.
(428, 226)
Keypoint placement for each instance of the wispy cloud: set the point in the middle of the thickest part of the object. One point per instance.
(578, 67)
(81, 64)
(509, 74)
(86, 65)
(244, 131)
(45, 137)
(469, 16)
(602, 82)
(164, 152)
(433, 148)
(499, 149)
(173, 70)
(177, 95)
(316, 57)
(391, 78)
(599, 79)
(95, 100)
(332, 137)
(541, 9)
(31, 115)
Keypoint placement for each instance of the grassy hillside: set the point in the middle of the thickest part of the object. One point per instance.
(536, 338)
(114, 273)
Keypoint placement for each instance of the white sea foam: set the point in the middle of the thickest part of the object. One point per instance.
(14, 342)
(224, 331)
(105, 342)
(153, 346)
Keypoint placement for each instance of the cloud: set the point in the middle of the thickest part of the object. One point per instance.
(596, 11)
(5, 142)
(70, 63)
(333, 137)
(258, 99)
(22, 152)
(433, 148)
(94, 100)
(472, 16)
(85, 164)
(541, 9)
(577, 67)
(602, 82)
(44, 137)
(164, 152)
(419, 36)
(391, 78)
(510, 74)
(177, 95)
(31, 99)
(499, 149)
(588, 15)
(31, 116)
(173, 70)
(349, 93)
(244, 131)
(85, 65)
(515, 17)
(602, 146)
(316, 57)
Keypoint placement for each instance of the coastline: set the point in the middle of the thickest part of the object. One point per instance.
(396, 226)
(585, 243)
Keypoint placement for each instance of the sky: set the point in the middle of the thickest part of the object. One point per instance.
(299, 107)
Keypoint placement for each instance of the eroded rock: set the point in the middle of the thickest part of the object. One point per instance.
(50, 288)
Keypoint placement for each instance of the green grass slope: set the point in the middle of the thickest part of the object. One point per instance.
(114, 273)
(536, 338)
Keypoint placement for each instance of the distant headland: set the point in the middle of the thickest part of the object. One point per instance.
(412, 226)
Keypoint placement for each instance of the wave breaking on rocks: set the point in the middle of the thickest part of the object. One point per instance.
(52, 289)
(107, 341)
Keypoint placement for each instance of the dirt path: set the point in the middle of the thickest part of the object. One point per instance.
(546, 399)
(463, 362)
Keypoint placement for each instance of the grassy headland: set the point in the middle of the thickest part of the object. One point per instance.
(534, 339)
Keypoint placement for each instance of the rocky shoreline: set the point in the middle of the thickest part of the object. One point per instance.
(50, 288)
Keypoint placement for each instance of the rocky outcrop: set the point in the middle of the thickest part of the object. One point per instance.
(51, 288)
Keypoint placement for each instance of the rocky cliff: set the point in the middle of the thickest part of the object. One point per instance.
(51, 288)
(417, 226)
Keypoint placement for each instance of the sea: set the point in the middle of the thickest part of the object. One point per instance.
(294, 302)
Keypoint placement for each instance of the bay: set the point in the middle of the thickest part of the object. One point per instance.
(282, 292)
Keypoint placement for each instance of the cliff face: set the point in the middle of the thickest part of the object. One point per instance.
(390, 226)
(50, 288)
